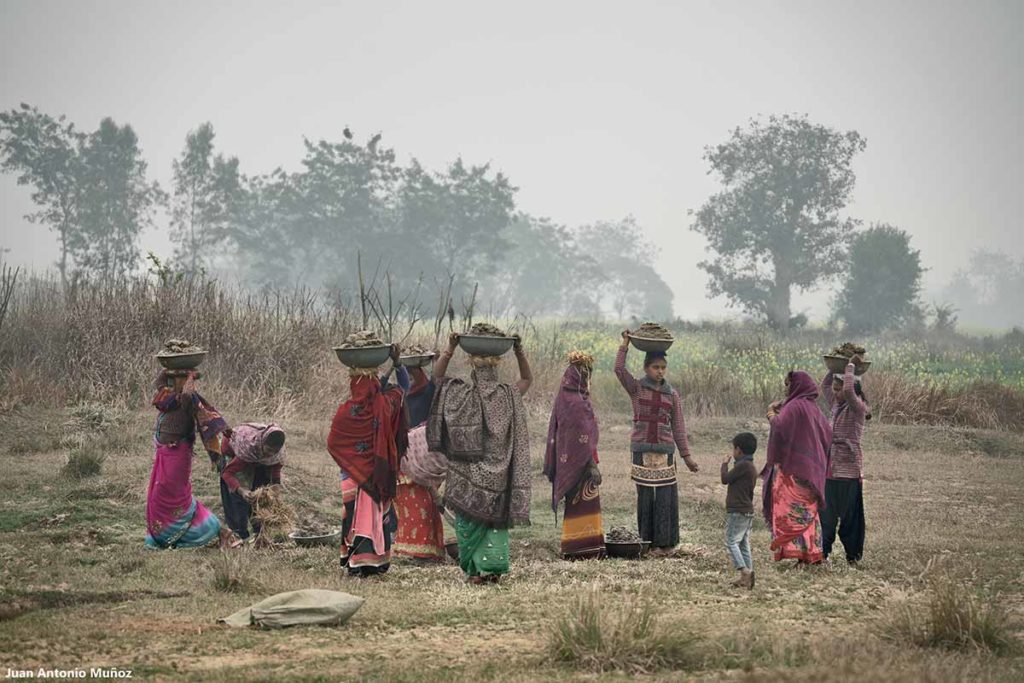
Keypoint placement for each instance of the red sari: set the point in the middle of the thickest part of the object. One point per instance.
(420, 527)
(366, 437)
(796, 525)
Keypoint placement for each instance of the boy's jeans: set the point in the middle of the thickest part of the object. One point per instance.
(737, 538)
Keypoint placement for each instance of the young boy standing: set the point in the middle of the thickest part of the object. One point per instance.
(739, 505)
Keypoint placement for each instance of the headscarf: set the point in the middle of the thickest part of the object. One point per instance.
(799, 440)
(248, 441)
(367, 436)
(422, 465)
(572, 435)
(420, 395)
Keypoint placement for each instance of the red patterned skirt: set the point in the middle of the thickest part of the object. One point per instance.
(796, 526)
(420, 527)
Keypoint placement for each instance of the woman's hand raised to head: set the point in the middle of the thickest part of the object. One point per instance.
(625, 338)
(453, 341)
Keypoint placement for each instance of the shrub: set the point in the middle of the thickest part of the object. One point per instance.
(84, 461)
(952, 617)
(626, 638)
(231, 574)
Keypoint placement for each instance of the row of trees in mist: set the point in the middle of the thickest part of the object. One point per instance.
(347, 199)
(777, 225)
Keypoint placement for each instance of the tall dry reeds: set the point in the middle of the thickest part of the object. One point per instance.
(96, 341)
(270, 354)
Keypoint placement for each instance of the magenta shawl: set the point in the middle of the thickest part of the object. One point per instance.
(799, 440)
(572, 436)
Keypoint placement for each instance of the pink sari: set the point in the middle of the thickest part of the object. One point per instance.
(366, 530)
(796, 527)
(174, 518)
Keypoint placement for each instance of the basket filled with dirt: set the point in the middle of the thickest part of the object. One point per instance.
(416, 356)
(622, 543)
(313, 537)
(484, 339)
(840, 356)
(651, 337)
(363, 349)
(180, 354)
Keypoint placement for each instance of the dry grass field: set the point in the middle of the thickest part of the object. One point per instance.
(945, 530)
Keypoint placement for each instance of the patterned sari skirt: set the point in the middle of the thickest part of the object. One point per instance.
(582, 531)
(796, 527)
(366, 531)
(174, 518)
(420, 525)
(483, 550)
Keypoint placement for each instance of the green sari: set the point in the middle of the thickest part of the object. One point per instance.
(483, 550)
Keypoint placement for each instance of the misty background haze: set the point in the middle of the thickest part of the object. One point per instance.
(594, 111)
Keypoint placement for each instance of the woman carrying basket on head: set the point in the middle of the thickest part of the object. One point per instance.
(368, 435)
(658, 430)
(480, 426)
(420, 533)
(174, 518)
(844, 483)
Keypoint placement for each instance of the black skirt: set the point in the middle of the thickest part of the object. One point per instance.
(657, 511)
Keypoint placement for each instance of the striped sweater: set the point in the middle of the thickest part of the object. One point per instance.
(658, 424)
(849, 412)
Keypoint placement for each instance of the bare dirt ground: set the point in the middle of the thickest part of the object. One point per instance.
(77, 588)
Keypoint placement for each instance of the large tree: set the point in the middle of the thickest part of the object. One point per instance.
(309, 226)
(883, 281)
(776, 224)
(454, 222)
(543, 273)
(44, 153)
(623, 281)
(116, 200)
(206, 200)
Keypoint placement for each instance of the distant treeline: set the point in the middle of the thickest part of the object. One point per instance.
(457, 227)
(776, 225)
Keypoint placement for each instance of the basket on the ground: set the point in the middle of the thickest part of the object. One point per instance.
(837, 365)
(632, 550)
(647, 344)
(363, 356)
(181, 361)
(485, 345)
(308, 540)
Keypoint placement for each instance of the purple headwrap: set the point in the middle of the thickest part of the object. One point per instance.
(248, 439)
(799, 440)
(572, 435)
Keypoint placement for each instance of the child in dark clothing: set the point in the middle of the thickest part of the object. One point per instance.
(739, 505)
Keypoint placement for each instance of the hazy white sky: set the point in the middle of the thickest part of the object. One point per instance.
(594, 109)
